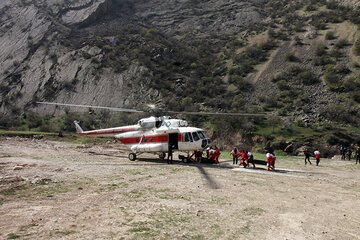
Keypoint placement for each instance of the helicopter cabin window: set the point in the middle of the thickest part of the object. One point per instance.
(188, 137)
(195, 136)
(201, 134)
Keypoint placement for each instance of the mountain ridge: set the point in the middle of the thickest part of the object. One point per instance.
(197, 53)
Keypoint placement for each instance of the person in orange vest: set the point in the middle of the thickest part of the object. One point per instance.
(244, 158)
(217, 154)
(270, 157)
(317, 156)
(235, 154)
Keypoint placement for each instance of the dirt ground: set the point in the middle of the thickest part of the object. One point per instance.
(57, 190)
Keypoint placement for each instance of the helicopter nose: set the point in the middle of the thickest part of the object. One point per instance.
(205, 142)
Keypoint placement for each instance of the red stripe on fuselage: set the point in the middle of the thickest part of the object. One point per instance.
(109, 131)
(147, 139)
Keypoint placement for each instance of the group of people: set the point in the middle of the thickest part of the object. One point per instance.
(212, 155)
(348, 153)
(316, 154)
(245, 158)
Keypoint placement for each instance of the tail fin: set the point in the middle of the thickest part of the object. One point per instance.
(78, 128)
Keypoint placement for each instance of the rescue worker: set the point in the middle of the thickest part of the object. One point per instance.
(198, 155)
(317, 156)
(217, 154)
(235, 154)
(270, 157)
(307, 155)
(170, 154)
(244, 158)
(342, 152)
(357, 155)
(349, 153)
(212, 155)
(207, 152)
(250, 158)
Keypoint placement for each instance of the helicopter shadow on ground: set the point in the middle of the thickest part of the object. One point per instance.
(201, 167)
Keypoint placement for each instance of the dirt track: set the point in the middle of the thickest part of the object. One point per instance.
(57, 190)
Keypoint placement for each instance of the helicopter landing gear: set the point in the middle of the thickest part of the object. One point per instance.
(184, 159)
(162, 155)
(132, 156)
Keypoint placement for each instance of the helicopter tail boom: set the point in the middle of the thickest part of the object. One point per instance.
(78, 128)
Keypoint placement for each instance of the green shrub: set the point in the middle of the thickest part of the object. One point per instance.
(307, 78)
(321, 50)
(332, 79)
(330, 35)
(291, 57)
(282, 85)
(341, 43)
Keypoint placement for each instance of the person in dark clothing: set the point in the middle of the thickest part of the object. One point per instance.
(170, 156)
(357, 155)
(235, 154)
(307, 156)
(349, 153)
(251, 158)
(342, 152)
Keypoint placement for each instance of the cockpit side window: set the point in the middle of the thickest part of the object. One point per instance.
(195, 136)
(188, 137)
(201, 134)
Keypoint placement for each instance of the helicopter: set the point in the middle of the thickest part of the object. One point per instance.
(153, 134)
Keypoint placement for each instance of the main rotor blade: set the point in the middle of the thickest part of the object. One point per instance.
(89, 106)
(218, 113)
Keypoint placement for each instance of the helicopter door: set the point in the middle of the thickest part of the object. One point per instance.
(173, 140)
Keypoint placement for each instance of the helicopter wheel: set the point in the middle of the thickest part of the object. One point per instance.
(162, 155)
(185, 160)
(132, 156)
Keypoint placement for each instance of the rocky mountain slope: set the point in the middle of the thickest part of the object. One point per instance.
(298, 59)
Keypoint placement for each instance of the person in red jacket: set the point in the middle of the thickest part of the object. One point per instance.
(244, 159)
(217, 154)
(270, 157)
(317, 156)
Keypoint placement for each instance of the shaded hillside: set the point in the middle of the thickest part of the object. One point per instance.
(58, 51)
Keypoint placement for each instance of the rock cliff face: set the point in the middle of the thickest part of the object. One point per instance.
(38, 63)
(220, 54)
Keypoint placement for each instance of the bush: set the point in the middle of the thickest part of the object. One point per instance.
(321, 50)
(332, 79)
(282, 85)
(291, 57)
(330, 35)
(310, 8)
(307, 78)
(341, 43)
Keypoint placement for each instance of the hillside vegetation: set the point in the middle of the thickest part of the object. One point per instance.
(297, 62)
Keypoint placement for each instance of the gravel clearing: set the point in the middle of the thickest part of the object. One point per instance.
(52, 189)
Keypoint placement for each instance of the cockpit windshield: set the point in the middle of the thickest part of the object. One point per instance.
(202, 135)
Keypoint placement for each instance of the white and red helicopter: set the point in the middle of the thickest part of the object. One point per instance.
(152, 134)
